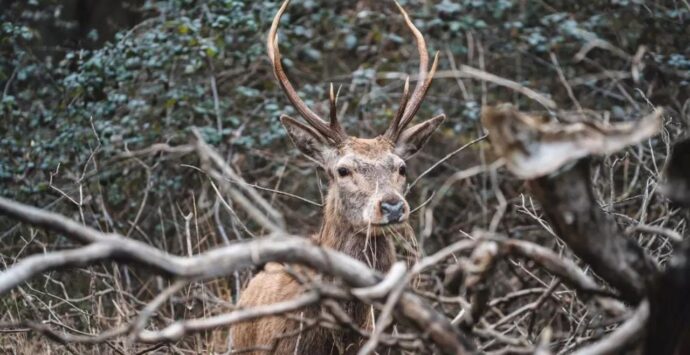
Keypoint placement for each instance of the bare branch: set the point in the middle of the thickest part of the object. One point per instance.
(466, 71)
(562, 267)
(533, 149)
(395, 275)
(534, 146)
(179, 329)
(215, 263)
(627, 334)
(569, 203)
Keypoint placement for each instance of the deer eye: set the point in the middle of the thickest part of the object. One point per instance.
(402, 170)
(343, 172)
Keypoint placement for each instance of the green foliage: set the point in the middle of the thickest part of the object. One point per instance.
(150, 83)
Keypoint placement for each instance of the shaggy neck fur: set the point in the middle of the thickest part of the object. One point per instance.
(375, 250)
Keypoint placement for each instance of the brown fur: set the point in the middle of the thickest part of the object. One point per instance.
(367, 147)
(365, 206)
(341, 230)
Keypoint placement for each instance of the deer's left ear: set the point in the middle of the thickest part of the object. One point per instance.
(414, 138)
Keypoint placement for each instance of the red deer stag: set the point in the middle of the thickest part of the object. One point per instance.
(364, 207)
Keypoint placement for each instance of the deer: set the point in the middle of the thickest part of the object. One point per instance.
(363, 209)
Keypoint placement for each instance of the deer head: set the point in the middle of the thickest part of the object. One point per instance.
(366, 175)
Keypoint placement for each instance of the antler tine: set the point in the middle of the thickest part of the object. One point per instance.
(393, 127)
(333, 98)
(423, 79)
(418, 95)
(310, 116)
(421, 45)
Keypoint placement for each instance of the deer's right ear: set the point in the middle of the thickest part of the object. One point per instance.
(414, 138)
(307, 139)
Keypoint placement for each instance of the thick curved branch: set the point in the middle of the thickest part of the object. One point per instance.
(215, 263)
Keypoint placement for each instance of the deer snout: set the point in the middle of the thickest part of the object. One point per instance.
(392, 209)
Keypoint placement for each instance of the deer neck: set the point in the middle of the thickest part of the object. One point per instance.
(377, 251)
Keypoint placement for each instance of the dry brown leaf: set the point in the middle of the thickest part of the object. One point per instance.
(533, 146)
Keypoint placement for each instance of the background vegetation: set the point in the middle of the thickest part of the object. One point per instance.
(96, 95)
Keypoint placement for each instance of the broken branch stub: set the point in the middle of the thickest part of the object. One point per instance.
(533, 146)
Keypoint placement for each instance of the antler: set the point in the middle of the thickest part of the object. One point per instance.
(409, 104)
(332, 131)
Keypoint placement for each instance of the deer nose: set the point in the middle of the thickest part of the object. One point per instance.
(392, 209)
